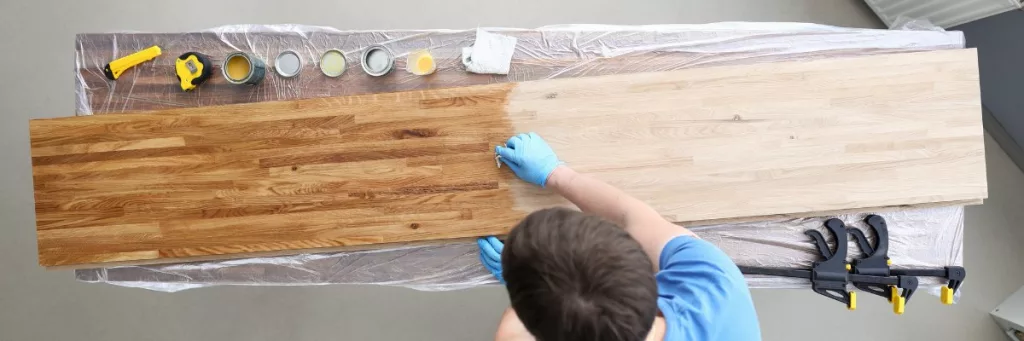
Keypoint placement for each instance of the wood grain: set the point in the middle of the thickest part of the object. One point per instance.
(321, 173)
(701, 145)
(768, 140)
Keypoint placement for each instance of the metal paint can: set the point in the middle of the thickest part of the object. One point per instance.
(288, 64)
(243, 68)
(332, 63)
(378, 60)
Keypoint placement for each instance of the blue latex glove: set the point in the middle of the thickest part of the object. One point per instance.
(490, 255)
(529, 157)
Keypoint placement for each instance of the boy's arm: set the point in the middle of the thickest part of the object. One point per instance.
(594, 196)
(532, 159)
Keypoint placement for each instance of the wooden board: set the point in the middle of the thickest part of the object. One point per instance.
(724, 143)
(778, 139)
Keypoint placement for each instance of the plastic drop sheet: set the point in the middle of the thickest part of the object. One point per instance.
(927, 237)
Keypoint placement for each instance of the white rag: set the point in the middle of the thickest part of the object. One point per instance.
(491, 53)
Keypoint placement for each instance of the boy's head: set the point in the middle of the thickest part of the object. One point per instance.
(573, 276)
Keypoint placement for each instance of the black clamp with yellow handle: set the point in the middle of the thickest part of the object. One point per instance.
(877, 263)
(954, 276)
(896, 289)
(828, 277)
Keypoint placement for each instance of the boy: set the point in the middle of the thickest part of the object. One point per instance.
(616, 271)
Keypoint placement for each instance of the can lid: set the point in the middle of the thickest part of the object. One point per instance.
(378, 60)
(288, 63)
(420, 63)
(332, 63)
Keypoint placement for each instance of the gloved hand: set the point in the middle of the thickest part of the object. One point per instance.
(529, 157)
(490, 255)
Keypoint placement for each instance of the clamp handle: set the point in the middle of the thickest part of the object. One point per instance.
(862, 242)
(881, 231)
(819, 241)
(955, 275)
(896, 289)
(876, 257)
(838, 231)
(829, 276)
(909, 285)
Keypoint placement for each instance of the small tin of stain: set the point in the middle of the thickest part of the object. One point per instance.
(243, 68)
(288, 64)
(332, 63)
(378, 60)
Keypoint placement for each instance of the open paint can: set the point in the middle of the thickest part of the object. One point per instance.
(288, 64)
(378, 60)
(243, 68)
(332, 63)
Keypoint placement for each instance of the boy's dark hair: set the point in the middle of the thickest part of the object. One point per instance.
(573, 276)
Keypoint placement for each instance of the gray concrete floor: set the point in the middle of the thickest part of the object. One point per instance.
(35, 304)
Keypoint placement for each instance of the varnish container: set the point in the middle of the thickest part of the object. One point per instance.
(378, 60)
(420, 63)
(288, 64)
(332, 63)
(243, 68)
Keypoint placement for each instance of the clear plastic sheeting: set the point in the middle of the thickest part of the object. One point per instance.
(544, 53)
(930, 238)
(919, 238)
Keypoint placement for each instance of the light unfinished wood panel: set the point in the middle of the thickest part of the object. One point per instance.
(780, 139)
(700, 145)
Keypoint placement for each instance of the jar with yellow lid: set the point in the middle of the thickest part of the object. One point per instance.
(420, 63)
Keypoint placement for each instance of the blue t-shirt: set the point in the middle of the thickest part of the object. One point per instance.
(702, 294)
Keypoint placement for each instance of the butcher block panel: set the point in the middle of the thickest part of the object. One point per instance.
(723, 143)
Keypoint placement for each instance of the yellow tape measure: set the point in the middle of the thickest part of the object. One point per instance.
(192, 69)
(114, 69)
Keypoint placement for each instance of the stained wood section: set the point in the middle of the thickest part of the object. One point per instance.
(188, 183)
(767, 140)
(724, 143)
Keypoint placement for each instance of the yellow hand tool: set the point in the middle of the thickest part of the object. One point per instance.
(192, 69)
(114, 69)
